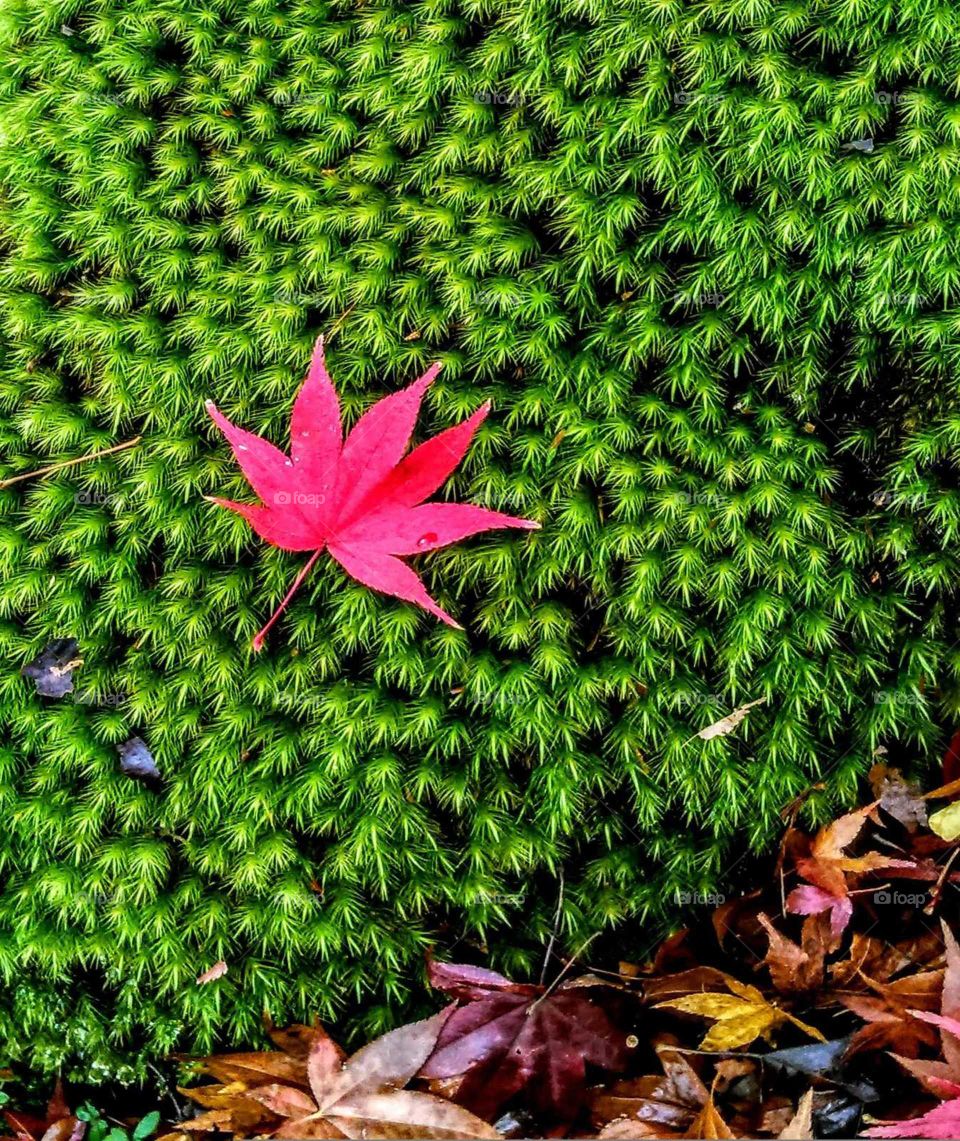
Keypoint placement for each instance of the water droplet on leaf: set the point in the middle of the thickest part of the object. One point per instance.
(427, 539)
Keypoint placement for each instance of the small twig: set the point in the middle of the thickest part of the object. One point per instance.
(70, 463)
(556, 982)
(177, 1108)
(553, 933)
(936, 891)
(339, 322)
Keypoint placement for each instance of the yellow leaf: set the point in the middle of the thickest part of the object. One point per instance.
(738, 1018)
(708, 1003)
(946, 822)
(729, 1033)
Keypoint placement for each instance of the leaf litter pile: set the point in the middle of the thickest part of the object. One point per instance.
(824, 1004)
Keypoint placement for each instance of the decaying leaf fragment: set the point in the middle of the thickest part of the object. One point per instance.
(727, 724)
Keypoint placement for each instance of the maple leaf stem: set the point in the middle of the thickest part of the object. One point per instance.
(261, 634)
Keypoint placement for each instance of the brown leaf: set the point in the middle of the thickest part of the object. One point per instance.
(295, 1040)
(796, 969)
(733, 914)
(214, 1097)
(256, 1069)
(886, 1012)
(708, 1124)
(939, 1076)
(408, 1114)
(242, 1116)
(801, 1127)
(694, 981)
(284, 1101)
(65, 1129)
(657, 1105)
(361, 1097)
(389, 1062)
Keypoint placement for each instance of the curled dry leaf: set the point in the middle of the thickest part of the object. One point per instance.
(898, 797)
(942, 1077)
(727, 724)
(658, 1105)
(57, 1124)
(709, 1125)
(211, 974)
(800, 1127)
(796, 969)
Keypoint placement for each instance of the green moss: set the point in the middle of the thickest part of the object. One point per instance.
(720, 348)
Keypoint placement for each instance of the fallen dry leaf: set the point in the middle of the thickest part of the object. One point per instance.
(898, 797)
(801, 1127)
(738, 1018)
(727, 724)
(509, 1037)
(945, 822)
(709, 1125)
(211, 974)
(827, 867)
(327, 1098)
(653, 1106)
(796, 969)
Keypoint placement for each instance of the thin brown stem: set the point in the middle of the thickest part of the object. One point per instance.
(556, 982)
(70, 463)
(553, 933)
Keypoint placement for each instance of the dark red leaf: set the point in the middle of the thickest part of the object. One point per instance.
(510, 1037)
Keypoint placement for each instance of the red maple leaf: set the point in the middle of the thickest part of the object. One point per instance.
(358, 498)
(512, 1036)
